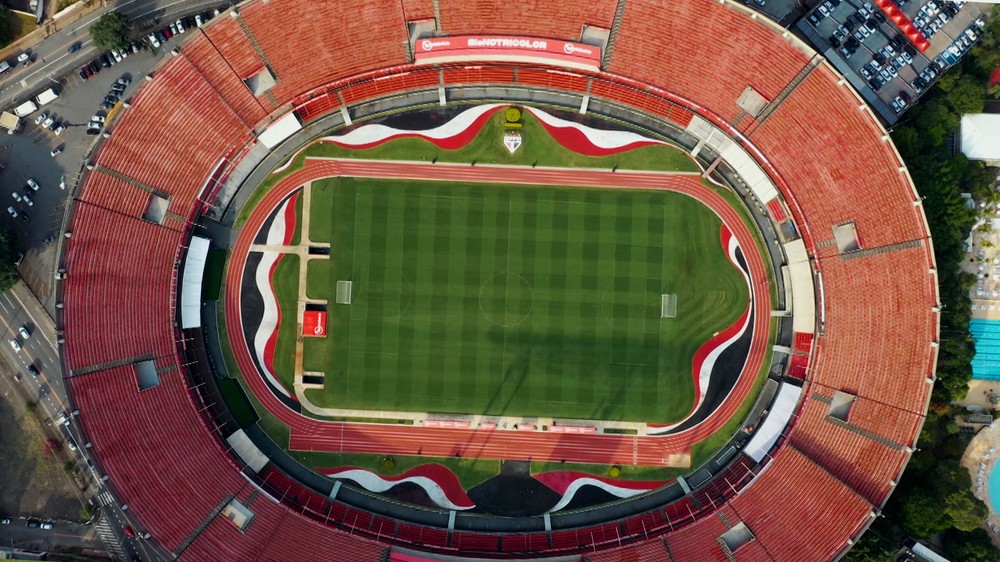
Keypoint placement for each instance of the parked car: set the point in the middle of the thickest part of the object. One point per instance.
(56, 151)
(33, 184)
(97, 119)
(5, 521)
(180, 25)
(16, 196)
(24, 58)
(129, 532)
(41, 117)
(48, 123)
(124, 81)
(83, 73)
(60, 128)
(27, 199)
(154, 41)
(13, 215)
(46, 526)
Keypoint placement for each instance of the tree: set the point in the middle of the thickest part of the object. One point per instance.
(968, 95)
(111, 31)
(972, 547)
(4, 25)
(922, 515)
(8, 255)
(967, 513)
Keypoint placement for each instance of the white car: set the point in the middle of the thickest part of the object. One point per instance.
(23, 330)
(154, 41)
(15, 346)
(26, 197)
(198, 21)
(24, 58)
(180, 26)
(59, 130)
(97, 119)
(33, 184)
(46, 526)
(116, 55)
(13, 214)
(48, 123)
(41, 117)
(16, 196)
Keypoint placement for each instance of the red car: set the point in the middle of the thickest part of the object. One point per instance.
(129, 532)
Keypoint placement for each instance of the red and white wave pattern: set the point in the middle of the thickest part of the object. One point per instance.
(588, 140)
(281, 232)
(566, 484)
(466, 125)
(438, 482)
(450, 136)
(703, 363)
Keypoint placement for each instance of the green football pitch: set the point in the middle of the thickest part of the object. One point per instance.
(520, 301)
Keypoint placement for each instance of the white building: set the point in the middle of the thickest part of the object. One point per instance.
(979, 137)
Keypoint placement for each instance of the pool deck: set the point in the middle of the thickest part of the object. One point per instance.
(979, 458)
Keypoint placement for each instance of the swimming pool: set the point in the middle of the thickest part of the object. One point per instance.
(986, 363)
(995, 486)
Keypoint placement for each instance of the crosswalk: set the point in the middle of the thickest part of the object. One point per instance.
(106, 498)
(109, 538)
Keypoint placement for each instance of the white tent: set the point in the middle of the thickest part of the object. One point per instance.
(980, 136)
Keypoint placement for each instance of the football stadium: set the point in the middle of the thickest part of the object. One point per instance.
(438, 280)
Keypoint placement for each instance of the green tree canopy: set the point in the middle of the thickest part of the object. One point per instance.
(8, 255)
(972, 547)
(111, 31)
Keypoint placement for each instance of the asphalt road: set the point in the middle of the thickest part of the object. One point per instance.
(52, 58)
(17, 534)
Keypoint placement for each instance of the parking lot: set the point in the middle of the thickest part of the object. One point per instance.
(892, 59)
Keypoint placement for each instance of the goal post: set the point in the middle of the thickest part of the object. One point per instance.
(668, 306)
(343, 292)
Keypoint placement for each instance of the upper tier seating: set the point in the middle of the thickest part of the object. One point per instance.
(879, 326)
(119, 291)
(541, 19)
(337, 45)
(798, 511)
(833, 154)
(156, 450)
(173, 151)
(703, 51)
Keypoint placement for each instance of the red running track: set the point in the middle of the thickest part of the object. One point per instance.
(307, 434)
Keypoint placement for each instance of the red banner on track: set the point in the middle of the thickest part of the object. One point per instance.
(499, 47)
(314, 324)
